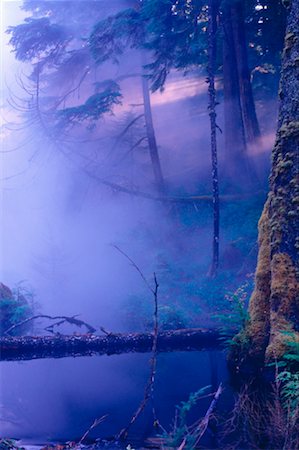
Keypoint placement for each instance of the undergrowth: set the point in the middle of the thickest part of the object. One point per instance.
(16, 305)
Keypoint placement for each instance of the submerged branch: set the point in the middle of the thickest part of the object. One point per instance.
(205, 422)
(95, 424)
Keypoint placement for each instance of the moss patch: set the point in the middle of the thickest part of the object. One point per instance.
(252, 341)
(284, 304)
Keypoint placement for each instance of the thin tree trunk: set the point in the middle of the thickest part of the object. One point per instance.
(212, 26)
(251, 126)
(150, 132)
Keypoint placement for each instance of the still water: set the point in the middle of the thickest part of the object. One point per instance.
(58, 399)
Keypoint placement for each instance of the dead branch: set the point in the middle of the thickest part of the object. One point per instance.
(205, 422)
(130, 124)
(135, 267)
(133, 147)
(148, 392)
(61, 319)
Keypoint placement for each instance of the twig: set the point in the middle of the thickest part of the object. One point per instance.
(136, 267)
(184, 441)
(121, 135)
(95, 424)
(108, 333)
(133, 148)
(72, 320)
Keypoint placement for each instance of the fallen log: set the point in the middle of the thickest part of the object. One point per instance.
(59, 346)
(189, 199)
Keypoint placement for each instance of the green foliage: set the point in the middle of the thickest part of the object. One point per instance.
(235, 318)
(289, 377)
(14, 308)
(290, 389)
(240, 220)
(9, 444)
(112, 36)
(181, 430)
(173, 31)
(95, 106)
(265, 47)
(187, 297)
(37, 38)
(176, 36)
(139, 315)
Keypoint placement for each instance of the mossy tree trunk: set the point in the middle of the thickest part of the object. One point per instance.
(274, 305)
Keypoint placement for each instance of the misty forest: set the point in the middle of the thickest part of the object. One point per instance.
(149, 286)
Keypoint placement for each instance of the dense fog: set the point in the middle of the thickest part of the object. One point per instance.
(79, 203)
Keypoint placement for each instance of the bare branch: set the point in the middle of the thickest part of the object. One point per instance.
(126, 129)
(201, 428)
(149, 388)
(205, 422)
(133, 147)
(72, 320)
(135, 266)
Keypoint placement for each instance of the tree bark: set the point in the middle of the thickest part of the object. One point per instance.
(251, 126)
(59, 346)
(274, 305)
(234, 134)
(212, 27)
(150, 132)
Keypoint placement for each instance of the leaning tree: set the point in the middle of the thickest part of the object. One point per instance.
(274, 305)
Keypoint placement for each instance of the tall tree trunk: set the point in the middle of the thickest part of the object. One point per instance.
(150, 132)
(251, 126)
(212, 27)
(234, 135)
(274, 305)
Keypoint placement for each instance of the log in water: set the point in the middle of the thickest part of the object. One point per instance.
(58, 346)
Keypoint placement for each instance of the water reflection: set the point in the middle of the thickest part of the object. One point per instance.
(58, 399)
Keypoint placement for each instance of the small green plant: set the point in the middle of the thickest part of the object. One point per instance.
(181, 431)
(9, 444)
(15, 306)
(289, 377)
(139, 315)
(236, 317)
(290, 389)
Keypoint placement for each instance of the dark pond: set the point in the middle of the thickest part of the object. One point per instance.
(58, 399)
